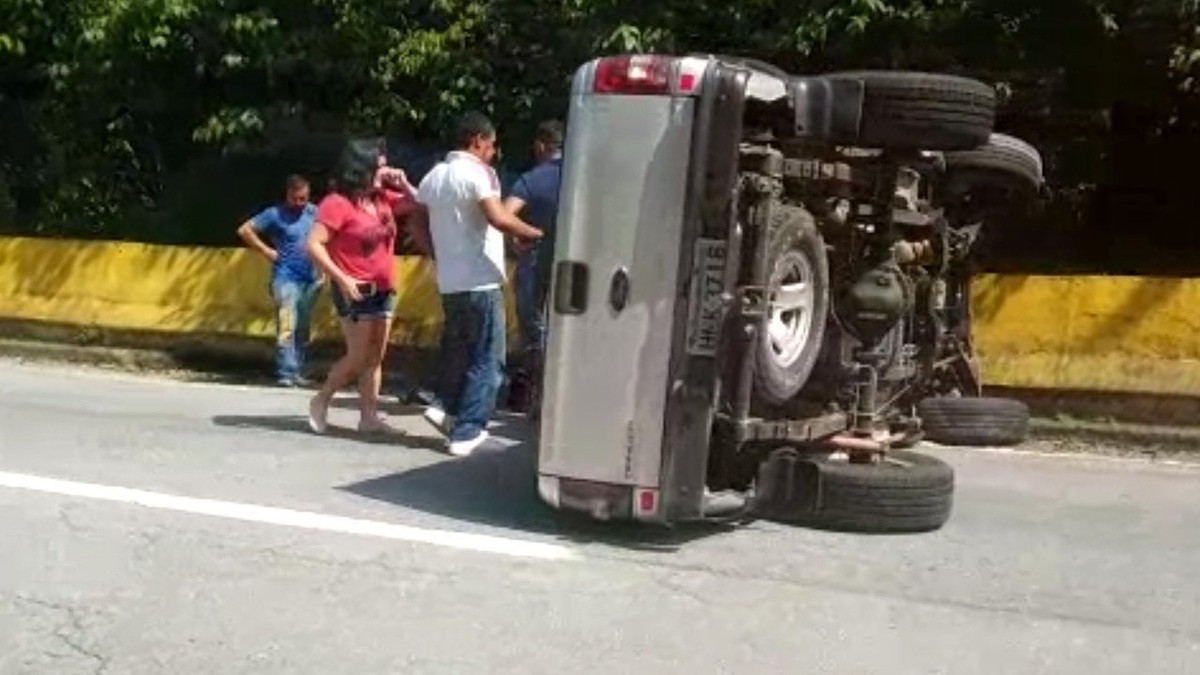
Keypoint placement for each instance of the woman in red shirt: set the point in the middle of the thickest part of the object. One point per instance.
(353, 240)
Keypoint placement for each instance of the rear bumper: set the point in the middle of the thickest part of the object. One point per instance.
(602, 501)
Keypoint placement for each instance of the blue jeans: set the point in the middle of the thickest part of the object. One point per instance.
(471, 364)
(294, 302)
(531, 300)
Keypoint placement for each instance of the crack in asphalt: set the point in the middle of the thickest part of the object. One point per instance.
(382, 564)
(832, 586)
(64, 515)
(71, 632)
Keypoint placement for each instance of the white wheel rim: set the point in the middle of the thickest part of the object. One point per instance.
(789, 321)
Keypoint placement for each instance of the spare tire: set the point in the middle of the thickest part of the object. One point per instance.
(1004, 159)
(904, 492)
(798, 281)
(922, 111)
(974, 421)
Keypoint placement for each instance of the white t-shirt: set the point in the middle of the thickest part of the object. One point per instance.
(469, 251)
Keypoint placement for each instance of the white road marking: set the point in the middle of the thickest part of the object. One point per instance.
(289, 518)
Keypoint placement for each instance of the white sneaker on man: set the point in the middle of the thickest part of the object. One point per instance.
(465, 448)
(439, 419)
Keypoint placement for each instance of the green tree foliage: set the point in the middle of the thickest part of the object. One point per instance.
(118, 117)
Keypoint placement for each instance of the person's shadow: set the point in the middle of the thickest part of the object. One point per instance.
(498, 488)
(299, 424)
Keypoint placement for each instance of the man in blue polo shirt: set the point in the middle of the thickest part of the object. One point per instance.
(295, 283)
(535, 198)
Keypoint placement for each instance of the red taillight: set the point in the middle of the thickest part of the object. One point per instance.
(635, 74)
(646, 502)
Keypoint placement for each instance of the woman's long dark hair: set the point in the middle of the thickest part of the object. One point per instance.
(355, 173)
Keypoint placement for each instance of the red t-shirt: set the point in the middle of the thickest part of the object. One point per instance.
(361, 243)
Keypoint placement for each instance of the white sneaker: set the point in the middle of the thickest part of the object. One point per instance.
(317, 416)
(465, 448)
(439, 419)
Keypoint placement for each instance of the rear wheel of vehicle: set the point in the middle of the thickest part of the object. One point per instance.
(1003, 159)
(798, 280)
(974, 421)
(904, 492)
(922, 111)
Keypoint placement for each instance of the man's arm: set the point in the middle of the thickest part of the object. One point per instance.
(504, 220)
(393, 178)
(249, 235)
(514, 204)
(484, 186)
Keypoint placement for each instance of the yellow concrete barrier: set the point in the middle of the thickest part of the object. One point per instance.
(174, 289)
(1131, 334)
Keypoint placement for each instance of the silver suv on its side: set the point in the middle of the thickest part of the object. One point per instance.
(761, 292)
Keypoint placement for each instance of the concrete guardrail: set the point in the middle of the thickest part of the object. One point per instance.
(1077, 333)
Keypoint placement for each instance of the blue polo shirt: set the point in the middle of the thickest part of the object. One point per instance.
(538, 188)
(288, 229)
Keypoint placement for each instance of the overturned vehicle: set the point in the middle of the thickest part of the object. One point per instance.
(761, 292)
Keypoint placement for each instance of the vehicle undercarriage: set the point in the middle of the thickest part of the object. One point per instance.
(846, 322)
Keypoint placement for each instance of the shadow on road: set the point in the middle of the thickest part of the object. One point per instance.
(499, 488)
(299, 424)
(386, 406)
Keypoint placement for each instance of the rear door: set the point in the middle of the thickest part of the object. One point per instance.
(621, 211)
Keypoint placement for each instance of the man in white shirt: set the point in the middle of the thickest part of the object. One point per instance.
(463, 223)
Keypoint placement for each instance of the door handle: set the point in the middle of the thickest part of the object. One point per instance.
(570, 287)
(618, 290)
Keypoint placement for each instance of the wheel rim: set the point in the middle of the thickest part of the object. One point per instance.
(789, 322)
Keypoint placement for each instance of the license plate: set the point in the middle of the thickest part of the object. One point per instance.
(706, 305)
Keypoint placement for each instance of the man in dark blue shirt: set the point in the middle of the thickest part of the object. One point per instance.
(295, 283)
(534, 197)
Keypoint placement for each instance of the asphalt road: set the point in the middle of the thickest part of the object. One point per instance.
(138, 539)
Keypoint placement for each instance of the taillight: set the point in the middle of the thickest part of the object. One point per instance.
(634, 74)
(648, 74)
(645, 503)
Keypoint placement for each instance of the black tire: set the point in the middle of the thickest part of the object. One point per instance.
(1003, 159)
(974, 421)
(922, 111)
(794, 240)
(906, 492)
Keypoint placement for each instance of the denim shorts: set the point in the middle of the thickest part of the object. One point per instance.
(372, 307)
